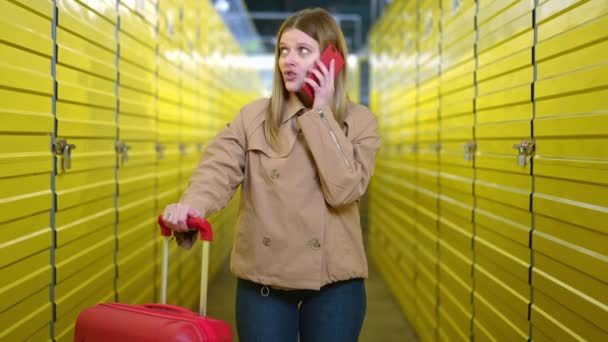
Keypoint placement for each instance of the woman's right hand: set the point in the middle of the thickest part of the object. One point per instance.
(175, 216)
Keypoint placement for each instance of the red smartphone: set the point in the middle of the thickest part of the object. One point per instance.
(331, 52)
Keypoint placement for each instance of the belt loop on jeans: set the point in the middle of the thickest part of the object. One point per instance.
(265, 291)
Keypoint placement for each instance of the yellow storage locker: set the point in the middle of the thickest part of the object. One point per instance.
(427, 169)
(189, 147)
(26, 112)
(503, 184)
(570, 239)
(456, 173)
(85, 180)
(169, 124)
(136, 148)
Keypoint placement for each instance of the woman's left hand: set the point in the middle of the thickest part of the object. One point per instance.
(324, 90)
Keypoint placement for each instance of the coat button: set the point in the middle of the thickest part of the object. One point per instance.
(314, 244)
(266, 241)
(275, 174)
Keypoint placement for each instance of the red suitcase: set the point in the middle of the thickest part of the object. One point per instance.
(156, 322)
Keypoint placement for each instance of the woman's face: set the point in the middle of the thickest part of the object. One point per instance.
(297, 55)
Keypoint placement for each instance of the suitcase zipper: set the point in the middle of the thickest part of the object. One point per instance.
(333, 137)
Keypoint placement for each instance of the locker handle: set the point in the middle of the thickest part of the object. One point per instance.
(160, 150)
(123, 149)
(183, 148)
(64, 149)
(469, 148)
(525, 149)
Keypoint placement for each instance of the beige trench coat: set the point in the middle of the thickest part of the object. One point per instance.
(299, 224)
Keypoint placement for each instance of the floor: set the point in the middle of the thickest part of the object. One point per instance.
(383, 322)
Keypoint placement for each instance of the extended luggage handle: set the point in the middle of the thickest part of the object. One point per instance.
(197, 223)
(206, 235)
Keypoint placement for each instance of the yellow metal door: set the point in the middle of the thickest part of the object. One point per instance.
(85, 181)
(570, 240)
(503, 183)
(169, 126)
(456, 173)
(136, 145)
(26, 161)
(427, 170)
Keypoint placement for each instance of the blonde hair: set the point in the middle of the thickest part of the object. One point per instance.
(321, 26)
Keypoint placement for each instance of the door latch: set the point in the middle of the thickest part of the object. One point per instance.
(63, 149)
(160, 150)
(469, 149)
(123, 149)
(525, 149)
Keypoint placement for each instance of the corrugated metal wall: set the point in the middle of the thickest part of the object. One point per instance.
(489, 209)
(105, 107)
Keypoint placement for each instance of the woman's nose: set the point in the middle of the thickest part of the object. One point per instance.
(290, 58)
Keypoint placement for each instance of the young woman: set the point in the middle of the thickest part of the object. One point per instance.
(298, 252)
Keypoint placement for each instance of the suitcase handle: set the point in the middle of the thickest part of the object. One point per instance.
(196, 223)
(169, 308)
(206, 234)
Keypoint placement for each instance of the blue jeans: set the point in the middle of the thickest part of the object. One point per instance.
(335, 313)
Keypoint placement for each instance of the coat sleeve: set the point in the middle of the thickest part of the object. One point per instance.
(345, 164)
(220, 171)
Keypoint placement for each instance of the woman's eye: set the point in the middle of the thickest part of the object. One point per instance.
(283, 51)
(304, 50)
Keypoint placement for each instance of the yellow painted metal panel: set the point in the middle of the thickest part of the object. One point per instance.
(22, 319)
(586, 102)
(137, 200)
(456, 204)
(561, 324)
(555, 17)
(84, 88)
(75, 120)
(510, 189)
(78, 188)
(512, 96)
(568, 41)
(169, 70)
(23, 278)
(578, 247)
(458, 287)
(24, 154)
(23, 196)
(454, 322)
(136, 289)
(494, 252)
(35, 35)
(95, 281)
(134, 79)
(25, 237)
(503, 292)
(21, 78)
(136, 61)
(586, 79)
(82, 220)
(131, 263)
(508, 245)
(77, 53)
(139, 103)
(25, 112)
(498, 322)
(169, 133)
(168, 110)
(576, 202)
(133, 23)
(82, 21)
(72, 258)
(580, 293)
